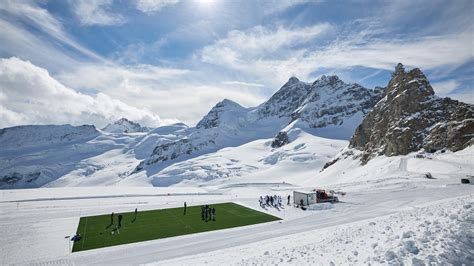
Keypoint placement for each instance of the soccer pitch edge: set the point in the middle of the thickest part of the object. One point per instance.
(98, 232)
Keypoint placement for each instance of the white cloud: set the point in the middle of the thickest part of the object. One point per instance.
(176, 93)
(96, 12)
(108, 77)
(426, 52)
(29, 95)
(445, 87)
(241, 83)
(272, 54)
(260, 42)
(466, 96)
(153, 6)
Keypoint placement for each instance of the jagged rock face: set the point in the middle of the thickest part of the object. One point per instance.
(15, 177)
(280, 140)
(332, 101)
(286, 100)
(410, 117)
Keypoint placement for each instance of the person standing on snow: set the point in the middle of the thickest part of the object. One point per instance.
(120, 220)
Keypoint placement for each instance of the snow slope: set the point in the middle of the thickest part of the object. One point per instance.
(442, 165)
(405, 222)
(255, 161)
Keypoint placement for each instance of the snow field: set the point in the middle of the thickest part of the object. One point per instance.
(400, 217)
(440, 233)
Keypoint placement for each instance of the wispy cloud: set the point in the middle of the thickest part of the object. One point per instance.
(240, 83)
(373, 42)
(153, 6)
(271, 53)
(96, 12)
(445, 87)
(18, 15)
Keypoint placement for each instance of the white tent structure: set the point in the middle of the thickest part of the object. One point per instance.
(306, 198)
(302, 198)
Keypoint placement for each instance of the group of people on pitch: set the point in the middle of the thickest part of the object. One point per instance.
(273, 201)
(208, 213)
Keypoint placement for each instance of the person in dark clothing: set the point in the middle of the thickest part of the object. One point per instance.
(135, 218)
(185, 208)
(112, 218)
(213, 214)
(202, 213)
(120, 220)
(209, 213)
(288, 199)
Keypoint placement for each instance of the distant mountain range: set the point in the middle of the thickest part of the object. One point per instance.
(404, 117)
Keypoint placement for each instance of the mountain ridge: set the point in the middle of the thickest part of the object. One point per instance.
(326, 103)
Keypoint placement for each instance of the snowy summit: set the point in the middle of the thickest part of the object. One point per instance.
(124, 125)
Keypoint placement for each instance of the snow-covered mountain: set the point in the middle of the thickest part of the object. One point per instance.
(124, 125)
(326, 102)
(31, 156)
(328, 108)
(289, 137)
(37, 156)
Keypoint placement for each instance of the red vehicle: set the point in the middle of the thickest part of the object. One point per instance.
(325, 196)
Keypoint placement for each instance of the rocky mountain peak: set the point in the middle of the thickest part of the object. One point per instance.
(226, 102)
(331, 81)
(412, 84)
(123, 125)
(293, 80)
(122, 121)
(410, 117)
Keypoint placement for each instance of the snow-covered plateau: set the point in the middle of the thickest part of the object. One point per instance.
(404, 219)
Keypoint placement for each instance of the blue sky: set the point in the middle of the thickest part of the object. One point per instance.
(163, 61)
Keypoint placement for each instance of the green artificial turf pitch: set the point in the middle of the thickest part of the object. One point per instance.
(96, 231)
